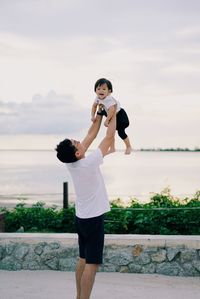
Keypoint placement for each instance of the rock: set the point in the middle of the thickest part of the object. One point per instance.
(159, 256)
(121, 258)
(45, 256)
(196, 265)
(39, 249)
(67, 264)
(188, 255)
(21, 251)
(54, 245)
(172, 253)
(31, 257)
(189, 270)
(134, 268)
(52, 263)
(106, 267)
(151, 250)
(109, 252)
(31, 265)
(137, 250)
(65, 252)
(10, 247)
(118, 256)
(74, 252)
(148, 269)
(124, 269)
(171, 269)
(142, 259)
(10, 263)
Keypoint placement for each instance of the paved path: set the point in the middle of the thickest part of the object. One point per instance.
(55, 284)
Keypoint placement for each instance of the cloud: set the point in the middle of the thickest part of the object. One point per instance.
(149, 50)
(50, 114)
(73, 18)
(189, 33)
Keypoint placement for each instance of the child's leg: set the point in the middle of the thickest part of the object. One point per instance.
(122, 124)
(126, 140)
(112, 148)
(128, 146)
(124, 137)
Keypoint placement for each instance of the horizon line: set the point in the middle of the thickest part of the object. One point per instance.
(196, 149)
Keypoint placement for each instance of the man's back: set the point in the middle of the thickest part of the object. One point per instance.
(91, 195)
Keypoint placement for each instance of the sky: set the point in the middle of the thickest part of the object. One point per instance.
(52, 52)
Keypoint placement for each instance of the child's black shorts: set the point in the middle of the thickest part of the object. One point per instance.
(91, 238)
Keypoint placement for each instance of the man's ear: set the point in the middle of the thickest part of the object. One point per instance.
(77, 154)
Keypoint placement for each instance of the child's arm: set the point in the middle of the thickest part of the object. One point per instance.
(93, 112)
(111, 112)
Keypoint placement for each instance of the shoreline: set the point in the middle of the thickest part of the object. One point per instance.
(56, 199)
(117, 150)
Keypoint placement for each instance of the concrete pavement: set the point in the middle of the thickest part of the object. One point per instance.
(56, 284)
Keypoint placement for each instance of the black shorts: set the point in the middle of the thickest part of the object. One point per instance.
(91, 238)
(122, 123)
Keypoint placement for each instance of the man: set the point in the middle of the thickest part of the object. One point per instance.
(91, 200)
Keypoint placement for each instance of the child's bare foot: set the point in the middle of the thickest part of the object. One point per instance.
(128, 151)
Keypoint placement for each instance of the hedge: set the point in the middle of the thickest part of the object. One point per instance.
(163, 214)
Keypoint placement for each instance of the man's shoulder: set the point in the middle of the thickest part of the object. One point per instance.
(95, 155)
(95, 152)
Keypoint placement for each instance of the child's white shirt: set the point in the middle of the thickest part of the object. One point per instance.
(108, 102)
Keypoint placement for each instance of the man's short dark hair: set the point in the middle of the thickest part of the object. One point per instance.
(66, 151)
(101, 82)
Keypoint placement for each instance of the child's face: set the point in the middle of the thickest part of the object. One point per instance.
(102, 91)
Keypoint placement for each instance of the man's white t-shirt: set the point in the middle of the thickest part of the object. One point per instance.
(91, 196)
(108, 102)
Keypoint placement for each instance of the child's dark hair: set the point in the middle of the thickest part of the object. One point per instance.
(101, 82)
(66, 151)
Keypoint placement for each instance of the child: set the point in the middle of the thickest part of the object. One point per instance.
(108, 105)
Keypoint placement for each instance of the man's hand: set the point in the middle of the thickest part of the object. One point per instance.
(93, 112)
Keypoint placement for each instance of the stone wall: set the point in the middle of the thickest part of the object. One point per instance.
(169, 255)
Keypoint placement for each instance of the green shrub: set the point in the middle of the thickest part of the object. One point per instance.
(39, 219)
(163, 214)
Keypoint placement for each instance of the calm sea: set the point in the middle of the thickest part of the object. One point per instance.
(39, 176)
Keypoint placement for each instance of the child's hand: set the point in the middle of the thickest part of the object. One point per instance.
(106, 123)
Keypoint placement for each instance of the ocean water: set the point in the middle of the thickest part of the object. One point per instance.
(37, 175)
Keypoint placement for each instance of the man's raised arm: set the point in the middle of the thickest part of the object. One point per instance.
(92, 132)
(110, 135)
